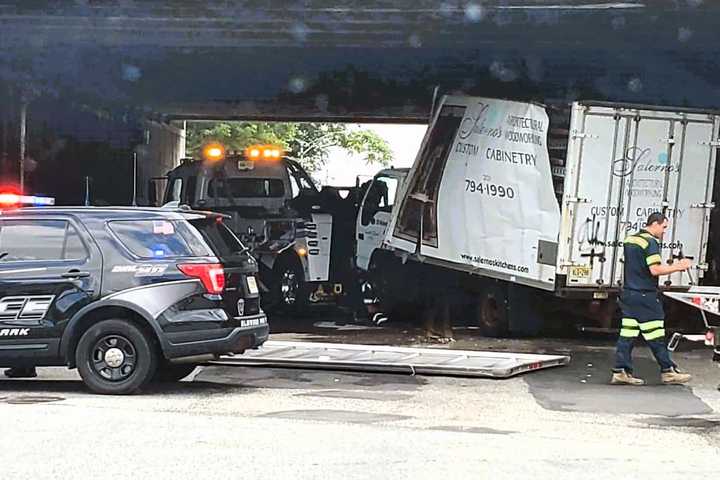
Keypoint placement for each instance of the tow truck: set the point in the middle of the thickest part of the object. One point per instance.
(301, 236)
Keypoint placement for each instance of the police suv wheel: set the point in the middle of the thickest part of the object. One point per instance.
(115, 357)
(167, 373)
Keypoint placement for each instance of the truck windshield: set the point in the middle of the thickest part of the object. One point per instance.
(246, 187)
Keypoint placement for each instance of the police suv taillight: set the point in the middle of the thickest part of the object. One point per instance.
(212, 275)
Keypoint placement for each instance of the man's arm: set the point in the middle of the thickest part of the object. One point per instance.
(658, 270)
(654, 261)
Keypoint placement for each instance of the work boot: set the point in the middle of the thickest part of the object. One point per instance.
(21, 372)
(624, 378)
(675, 377)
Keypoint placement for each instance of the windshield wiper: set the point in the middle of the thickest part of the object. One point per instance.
(3, 255)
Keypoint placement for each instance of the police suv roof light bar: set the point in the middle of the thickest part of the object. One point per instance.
(12, 199)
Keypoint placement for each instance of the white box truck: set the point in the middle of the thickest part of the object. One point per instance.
(524, 207)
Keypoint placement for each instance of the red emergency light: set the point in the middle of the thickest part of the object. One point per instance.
(9, 199)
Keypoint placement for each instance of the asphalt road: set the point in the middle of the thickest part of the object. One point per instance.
(237, 422)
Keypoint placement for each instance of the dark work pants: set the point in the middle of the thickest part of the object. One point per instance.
(642, 313)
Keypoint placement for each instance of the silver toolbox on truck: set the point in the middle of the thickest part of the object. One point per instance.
(623, 163)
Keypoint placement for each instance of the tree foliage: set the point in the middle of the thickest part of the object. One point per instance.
(308, 143)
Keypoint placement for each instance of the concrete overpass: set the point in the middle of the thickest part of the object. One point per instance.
(97, 70)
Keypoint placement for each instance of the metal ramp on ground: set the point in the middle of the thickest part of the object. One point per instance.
(387, 359)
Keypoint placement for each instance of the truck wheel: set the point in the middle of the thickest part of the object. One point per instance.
(290, 290)
(492, 311)
(115, 357)
(168, 372)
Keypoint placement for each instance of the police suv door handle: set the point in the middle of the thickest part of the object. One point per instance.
(75, 274)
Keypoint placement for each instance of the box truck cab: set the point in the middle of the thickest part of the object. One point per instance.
(375, 213)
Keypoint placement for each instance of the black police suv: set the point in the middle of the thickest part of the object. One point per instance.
(125, 295)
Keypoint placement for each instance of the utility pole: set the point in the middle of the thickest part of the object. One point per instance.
(6, 119)
(23, 141)
(4, 153)
(134, 176)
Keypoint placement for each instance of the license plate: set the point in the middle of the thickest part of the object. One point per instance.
(580, 273)
(252, 322)
(252, 285)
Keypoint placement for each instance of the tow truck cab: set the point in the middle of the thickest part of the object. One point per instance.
(277, 211)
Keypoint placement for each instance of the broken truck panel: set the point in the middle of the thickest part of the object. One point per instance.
(386, 359)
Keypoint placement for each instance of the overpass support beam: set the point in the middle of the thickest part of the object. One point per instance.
(163, 149)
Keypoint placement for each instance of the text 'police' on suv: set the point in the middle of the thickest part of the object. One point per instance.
(125, 295)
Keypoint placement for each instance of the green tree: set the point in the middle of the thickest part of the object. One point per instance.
(307, 143)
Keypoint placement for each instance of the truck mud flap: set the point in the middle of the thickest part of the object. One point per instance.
(386, 359)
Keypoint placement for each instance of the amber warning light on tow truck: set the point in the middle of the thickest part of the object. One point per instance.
(213, 152)
(264, 152)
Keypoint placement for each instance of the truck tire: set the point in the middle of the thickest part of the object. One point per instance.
(379, 283)
(289, 287)
(169, 373)
(492, 310)
(114, 357)
(525, 311)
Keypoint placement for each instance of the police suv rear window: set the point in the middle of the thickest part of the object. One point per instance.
(160, 238)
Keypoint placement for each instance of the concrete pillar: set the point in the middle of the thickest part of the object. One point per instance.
(23, 142)
(165, 146)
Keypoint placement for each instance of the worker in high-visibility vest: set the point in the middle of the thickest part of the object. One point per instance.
(642, 310)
